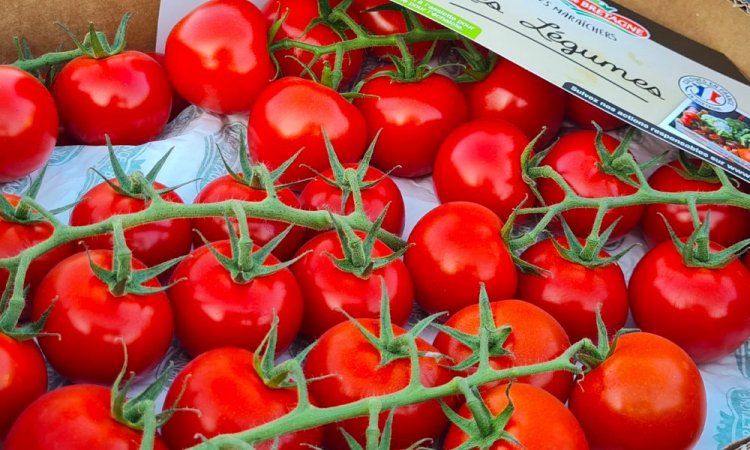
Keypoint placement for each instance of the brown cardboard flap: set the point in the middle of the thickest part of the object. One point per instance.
(35, 20)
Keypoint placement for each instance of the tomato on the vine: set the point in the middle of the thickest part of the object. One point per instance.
(217, 56)
(23, 378)
(539, 421)
(125, 96)
(225, 394)
(480, 162)
(291, 114)
(535, 337)
(93, 324)
(647, 395)
(457, 245)
(28, 124)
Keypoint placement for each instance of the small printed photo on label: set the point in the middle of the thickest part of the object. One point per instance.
(708, 94)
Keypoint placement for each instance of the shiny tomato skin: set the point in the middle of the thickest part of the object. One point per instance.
(217, 58)
(457, 245)
(413, 119)
(570, 292)
(152, 243)
(575, 158)
(261, 230)
(728, 224)
(647, 395)
(92, 323)
(290, 115)
(29, 124)
(514, 94)
(224, 386)
(325, 287)
(539, 420)
(319, 195)
(126, 97)
(72, 418)
(211, 310)
(17, 237)
(480, 162)
(535, 337)
(344, 351)
(582, 113)
(298, 14)
(704, 311)
(23, 378)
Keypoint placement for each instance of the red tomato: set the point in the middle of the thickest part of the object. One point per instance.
(93, 323)
(704, 311)
(456, 246)
(319, 195)
(72, 418)
(480, 162)
(571, 292)
(538, 421)
(290, 115)
(574, 157)
(125, 96)
(520, 97)
(211, 310)
(28, 124)
(647, 395)
(535, 337)
(261, 230)
(16, 237)
(326, 288)
(23, 378)
(582, 113)
(178, 103)
(152, 243)
(345, 352)
(385, 23)
(224, 386)
(727, 224)
(413, 119)
(298, 14)
(217, 56)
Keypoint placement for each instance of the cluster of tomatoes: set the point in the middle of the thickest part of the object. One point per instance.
(221, 303)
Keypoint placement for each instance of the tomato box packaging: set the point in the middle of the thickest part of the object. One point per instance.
(676, 96)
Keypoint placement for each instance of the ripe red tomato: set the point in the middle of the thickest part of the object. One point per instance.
(535, 337)
(93, 323)
(291, 114)
(16, 237)
(480, 162)
(539, 420)
(261, 230)
(72, 418)
(224, 386)
(646, 395)
(178, 103)
(457, 245)
(325, 287)
(152, 243)
(574, 157)
(298, 14)
(211, 310)
(345, 352)
(582, 113)
(511, 93)
(571, 292)
(413, 119)
(704, 311)
(727, 224)
(126, 96)
(319, 195)
(23, 378)
(217, 57)
(28, 124)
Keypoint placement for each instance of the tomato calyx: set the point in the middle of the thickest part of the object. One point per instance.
(589, 253)
(495, 336)
(696, 249)
(695, 170)
(478, 65)
(282, 376)
(258, 176)
(25, 210)
(95, 43)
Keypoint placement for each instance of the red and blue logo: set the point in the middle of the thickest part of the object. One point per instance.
(708, 94)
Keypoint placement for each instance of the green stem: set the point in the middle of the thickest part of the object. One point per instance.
(48, 60)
